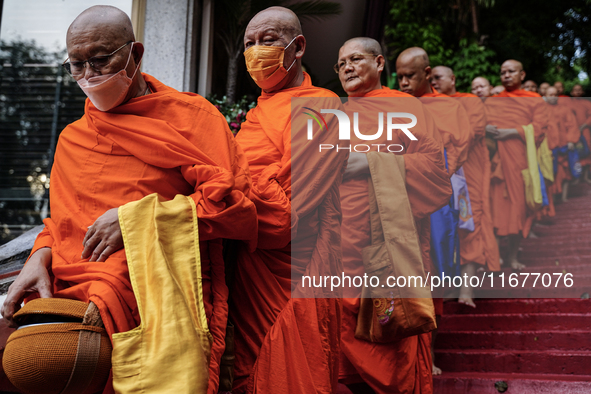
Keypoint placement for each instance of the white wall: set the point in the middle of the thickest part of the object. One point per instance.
(168, 39)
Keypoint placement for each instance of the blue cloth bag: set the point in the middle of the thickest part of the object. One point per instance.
(445, 238)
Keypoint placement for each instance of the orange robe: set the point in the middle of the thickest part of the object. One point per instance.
(581, 107)
(562, 129)
(403, 366)
(454, 127)
(286, 344)
(456, 133)
(479, 246)
(512, 110)
(167, 143)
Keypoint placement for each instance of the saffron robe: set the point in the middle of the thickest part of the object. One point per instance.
(581, 107)
(403, 366)
(285, 344)
(168, 143)
(480, 245)
(512, 110)
(454, 127)
(562, 129)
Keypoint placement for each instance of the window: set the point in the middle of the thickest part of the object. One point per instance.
(37, 100)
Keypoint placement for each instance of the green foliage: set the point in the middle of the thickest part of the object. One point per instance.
(552, 40)
(235, 113)
(471, 61)
(391, 81)
(408, 29)
(426, 24)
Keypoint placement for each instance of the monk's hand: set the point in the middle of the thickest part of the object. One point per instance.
(492, 130)
(503, 134)
(104, 237)
(34, 278)
(357, 165)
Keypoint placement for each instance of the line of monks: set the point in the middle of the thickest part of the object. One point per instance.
(140, 137)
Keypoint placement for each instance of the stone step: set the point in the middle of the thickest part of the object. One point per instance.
(493, 383)
(576, 340)
(516, 322)
(557, 362)
(539, 305)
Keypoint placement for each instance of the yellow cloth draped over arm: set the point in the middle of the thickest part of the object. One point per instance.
(545, 161)
(531, 175)
(169, 351)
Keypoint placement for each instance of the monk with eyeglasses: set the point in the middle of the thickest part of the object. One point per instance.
(139, 142)
(402, 366)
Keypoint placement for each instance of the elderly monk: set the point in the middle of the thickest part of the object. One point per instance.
(404, 365)
(136, 138)
(542, 89)
(477, 248)
(286, 344)
(506, 114)
(582, 109)
(530, 86)
(481, 87)
(563, 132)
(414, 77)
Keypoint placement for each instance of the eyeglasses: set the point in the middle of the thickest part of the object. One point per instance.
(353, 59)
(96, 62)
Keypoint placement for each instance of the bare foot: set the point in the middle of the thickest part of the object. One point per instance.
(516, 265)
(436, 371)
(532, 235)
(467, 301)
(501, 261)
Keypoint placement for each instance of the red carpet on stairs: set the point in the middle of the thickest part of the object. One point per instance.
(535, 345)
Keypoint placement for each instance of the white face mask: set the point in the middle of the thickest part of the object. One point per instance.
(108, 91)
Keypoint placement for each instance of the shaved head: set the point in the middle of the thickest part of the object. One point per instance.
(559, 86)
(275, 27)
(577, 91)
(284, 19)
(481, 87)
(103, 30)
(514, 63)
(102, 19)
(444, 80)
(414, 55)
(369, 45)
(512, 74)
(531, 86)
(413, 71)
(444, 70)
(543, 87)
(552, 95)
(359, 71)
(497, 89)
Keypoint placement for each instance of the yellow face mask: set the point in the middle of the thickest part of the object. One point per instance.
(265, 64)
